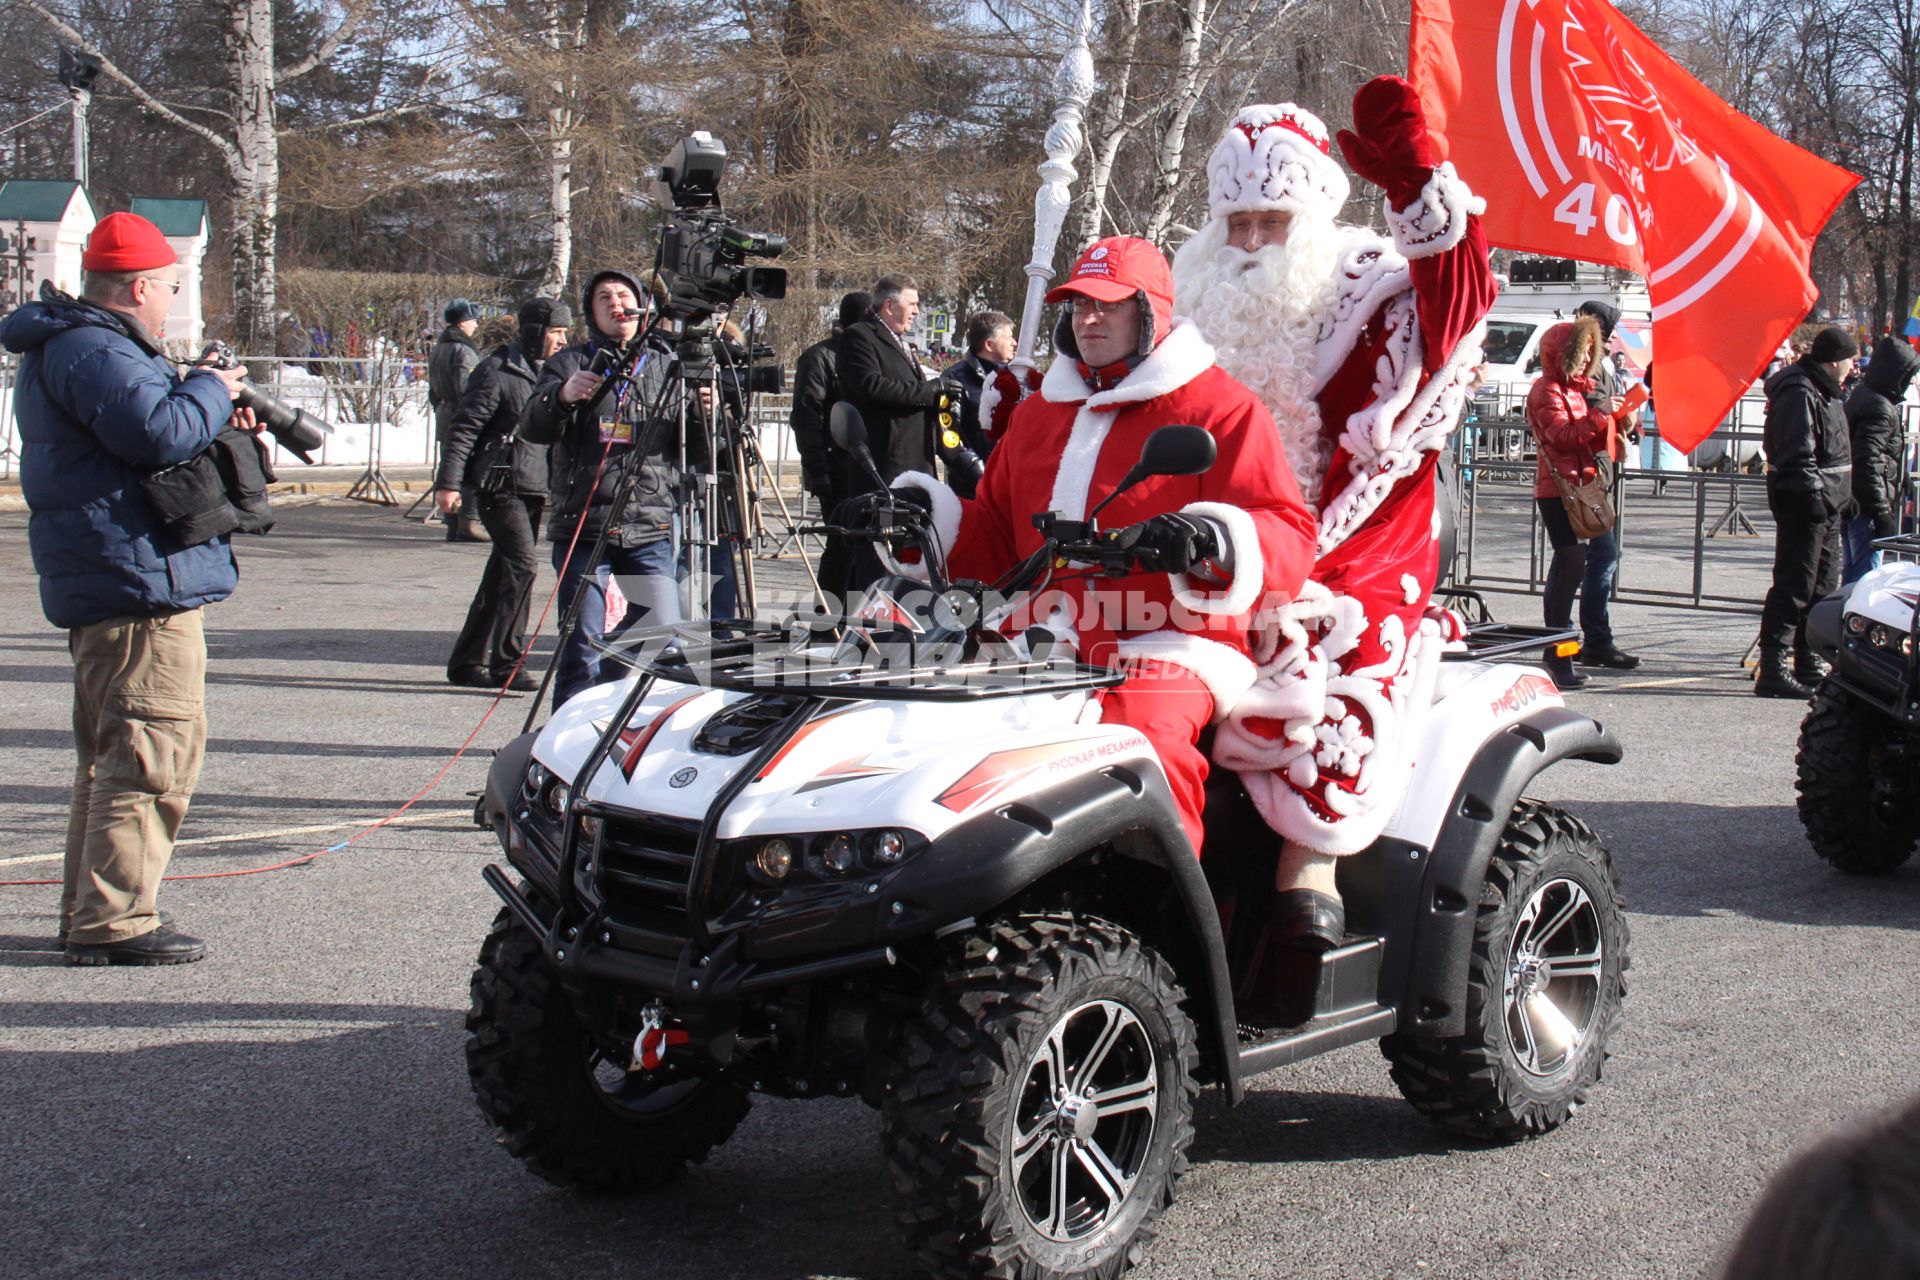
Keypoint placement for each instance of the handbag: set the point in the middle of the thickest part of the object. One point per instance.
(1589, 504)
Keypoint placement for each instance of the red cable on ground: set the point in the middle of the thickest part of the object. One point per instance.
(499, 696)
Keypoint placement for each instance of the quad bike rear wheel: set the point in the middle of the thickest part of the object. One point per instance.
(1043, 1106)
(565, 1108)
(1856, 800)
(1544, 987)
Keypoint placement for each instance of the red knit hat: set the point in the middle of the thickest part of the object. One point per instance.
(1120, 267)
(126, 242)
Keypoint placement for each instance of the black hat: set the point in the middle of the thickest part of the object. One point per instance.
(854, 307)
(1831, 345)
(627, 278)
(545, 313)
(459, 311)
(1605, 312)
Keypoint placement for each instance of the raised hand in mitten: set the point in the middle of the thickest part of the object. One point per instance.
(1003, 392)
(1389, 145)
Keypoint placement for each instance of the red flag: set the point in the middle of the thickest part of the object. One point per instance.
(1591, 143)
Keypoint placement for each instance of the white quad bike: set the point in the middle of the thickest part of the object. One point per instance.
(1858, 765)
(892, 856)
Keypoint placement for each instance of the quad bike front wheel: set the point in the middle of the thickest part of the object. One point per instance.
(1544, 987)
(571, 1113)
(1043, 1106)
(1856, 799)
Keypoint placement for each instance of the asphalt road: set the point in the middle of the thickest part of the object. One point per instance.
(297, 1105)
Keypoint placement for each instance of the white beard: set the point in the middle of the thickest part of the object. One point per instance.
(1263, 312)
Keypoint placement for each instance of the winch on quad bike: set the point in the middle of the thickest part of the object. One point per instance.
(895, 855)
(1858, 764)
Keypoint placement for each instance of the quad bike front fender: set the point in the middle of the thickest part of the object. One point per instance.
(504, 777)
(995, 857)
(1422, 902)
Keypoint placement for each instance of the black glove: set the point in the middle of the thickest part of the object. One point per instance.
(1885, 525)
(1169, 543)
(912, 497)
(952, 396)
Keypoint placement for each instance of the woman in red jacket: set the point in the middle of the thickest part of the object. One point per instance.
(1569, 435)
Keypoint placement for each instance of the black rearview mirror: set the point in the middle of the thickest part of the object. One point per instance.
(1169, 451)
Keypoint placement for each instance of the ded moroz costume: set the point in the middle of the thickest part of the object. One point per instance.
(1364, 349)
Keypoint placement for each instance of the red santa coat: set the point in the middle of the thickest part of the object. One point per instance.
(1317, 738)
(1070, 442)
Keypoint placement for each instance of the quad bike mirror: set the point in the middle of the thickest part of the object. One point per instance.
(1169, 451)
(849, 431)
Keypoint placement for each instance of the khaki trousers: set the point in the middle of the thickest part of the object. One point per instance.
(140, 726)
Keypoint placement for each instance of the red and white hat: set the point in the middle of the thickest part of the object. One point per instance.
(1275, 157)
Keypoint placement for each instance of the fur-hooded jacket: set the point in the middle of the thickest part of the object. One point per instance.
(1568, 430)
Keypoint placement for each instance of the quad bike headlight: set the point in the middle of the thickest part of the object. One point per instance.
(888, 847)
(1879, 635)
(774, 859)
(1856, 623)
(839, 854)
(559, 798)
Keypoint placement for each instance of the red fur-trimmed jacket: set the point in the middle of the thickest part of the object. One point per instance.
(1069, 446)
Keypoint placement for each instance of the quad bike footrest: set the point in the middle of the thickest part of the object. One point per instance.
(1345, 987)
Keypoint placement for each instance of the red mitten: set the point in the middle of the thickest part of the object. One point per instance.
(998, 398)
(1388, 144)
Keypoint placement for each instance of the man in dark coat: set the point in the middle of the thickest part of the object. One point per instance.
(882, 378)
(816, 388)
(990, 346)
(1878, 441)
(632, 429)
(99, 404)
(1809, 490)
(449, 365)
(508, 476)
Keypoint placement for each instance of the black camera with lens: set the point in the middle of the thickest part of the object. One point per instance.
(703, 252)
(298, 431)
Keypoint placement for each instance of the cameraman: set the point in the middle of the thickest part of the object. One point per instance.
(508, 478)
(99, 405)
(633, 428)
(824, 469)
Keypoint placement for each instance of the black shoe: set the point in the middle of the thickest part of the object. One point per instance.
(472, 678)
(1607, 655)
(165, 945)
(1776, 681)
(1810, 668)
(520, 683)
(1561, 669)
(1308, 920)
(165, 916)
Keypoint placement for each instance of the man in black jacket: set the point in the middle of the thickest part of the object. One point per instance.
(1878, 440)
(1809, 490)
(633, 429)
(449, 365)
(882, 378)
(816, 388)
(508, 477)
(990, 346)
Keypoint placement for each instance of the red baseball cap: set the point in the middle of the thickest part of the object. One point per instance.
(1117, 268)
(126, 242)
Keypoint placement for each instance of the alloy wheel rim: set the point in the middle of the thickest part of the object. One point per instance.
(1083, 1120)
(1555, 962)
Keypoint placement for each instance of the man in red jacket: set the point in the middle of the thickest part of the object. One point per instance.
(1216, 547)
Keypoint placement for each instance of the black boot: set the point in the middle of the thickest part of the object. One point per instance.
(1607, 655)
(1776, 679)
(1561, 669)
(1809, 668)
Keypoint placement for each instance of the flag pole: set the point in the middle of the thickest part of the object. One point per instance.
(1072, 87)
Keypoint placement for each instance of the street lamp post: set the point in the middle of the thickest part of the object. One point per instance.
(78, 70)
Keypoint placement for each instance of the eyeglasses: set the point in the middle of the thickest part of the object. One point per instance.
(1099, 308)
(171, 284)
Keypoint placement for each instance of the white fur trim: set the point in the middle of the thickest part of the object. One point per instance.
(989, 401)
(1435, 220)
(946, 523)
(945, 502)
(1227, 672)
(1409, 589)
(1183, 357)
(1371, 273)
(1249, 565)
(1275, 156)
